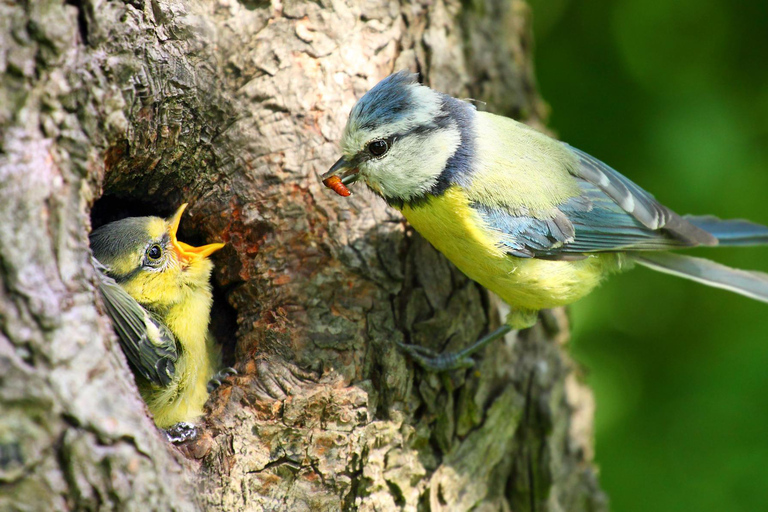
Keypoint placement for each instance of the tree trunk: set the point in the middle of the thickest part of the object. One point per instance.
(115, 108)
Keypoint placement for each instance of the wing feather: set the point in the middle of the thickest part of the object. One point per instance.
(640, 204)
(147, 343)
(589, 223)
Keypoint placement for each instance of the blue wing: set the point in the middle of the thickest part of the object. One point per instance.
(635, 201)
(611, 214)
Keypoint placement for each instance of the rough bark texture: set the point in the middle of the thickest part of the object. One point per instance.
(112, 108)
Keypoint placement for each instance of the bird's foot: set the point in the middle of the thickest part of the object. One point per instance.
(216, 380)
(181, 433)
(434, 362)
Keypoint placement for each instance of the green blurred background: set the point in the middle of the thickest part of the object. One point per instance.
(674, 94)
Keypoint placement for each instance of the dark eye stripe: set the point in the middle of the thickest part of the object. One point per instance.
(366, 153)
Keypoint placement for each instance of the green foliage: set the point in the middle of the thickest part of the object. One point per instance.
(675, 96)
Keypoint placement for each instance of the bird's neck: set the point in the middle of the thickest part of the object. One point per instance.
(459, 166)
(189, 318)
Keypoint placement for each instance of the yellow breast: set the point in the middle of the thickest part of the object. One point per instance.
(456, 230)
(184, 398)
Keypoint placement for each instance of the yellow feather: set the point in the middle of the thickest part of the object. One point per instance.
(180, 295)
(520, 167)
(456, 230)
(187, 298)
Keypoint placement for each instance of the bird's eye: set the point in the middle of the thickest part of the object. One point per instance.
(154, 253)
(378, 147)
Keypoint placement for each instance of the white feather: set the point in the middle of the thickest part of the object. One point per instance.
(744, 282)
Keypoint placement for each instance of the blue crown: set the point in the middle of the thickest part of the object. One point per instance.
(388, 102)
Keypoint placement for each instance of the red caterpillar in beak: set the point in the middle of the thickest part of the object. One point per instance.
(334, 183)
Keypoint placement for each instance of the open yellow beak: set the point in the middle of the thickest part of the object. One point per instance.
(185, 251)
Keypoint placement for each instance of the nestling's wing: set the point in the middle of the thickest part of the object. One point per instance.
(147, 343)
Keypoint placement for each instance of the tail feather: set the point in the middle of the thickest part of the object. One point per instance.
(744, 282)
(731, 233)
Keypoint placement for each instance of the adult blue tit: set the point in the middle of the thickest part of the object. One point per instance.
(157, 292)
(532, 219)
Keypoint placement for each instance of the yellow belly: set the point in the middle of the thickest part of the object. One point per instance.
(456, 230)
(183, 399)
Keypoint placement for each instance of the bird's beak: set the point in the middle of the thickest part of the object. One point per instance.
(344, 170)
(185, 251)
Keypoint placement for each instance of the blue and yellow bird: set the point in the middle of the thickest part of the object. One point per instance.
(157, 293)
(532, 219)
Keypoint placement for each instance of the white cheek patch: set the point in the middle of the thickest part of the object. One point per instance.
(413, 165)
(417, 157)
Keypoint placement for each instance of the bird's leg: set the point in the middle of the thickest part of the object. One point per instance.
(517, 319)
(444, 362)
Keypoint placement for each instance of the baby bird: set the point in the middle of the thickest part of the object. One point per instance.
(157, 292)
(532, 219)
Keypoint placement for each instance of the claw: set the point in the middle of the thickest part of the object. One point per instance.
(277, 379)
(181, 433)
(216, 380)
(418, 350)
(431, 361)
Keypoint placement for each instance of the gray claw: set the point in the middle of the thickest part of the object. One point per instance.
(213, 384)
(181, 433)
(216, 380)
(452, 361)
(277, 379)
(418, 350)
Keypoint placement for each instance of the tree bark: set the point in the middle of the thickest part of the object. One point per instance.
(112, 108)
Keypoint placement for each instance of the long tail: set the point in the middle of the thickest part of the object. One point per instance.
(731, 233)
(744, 282)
